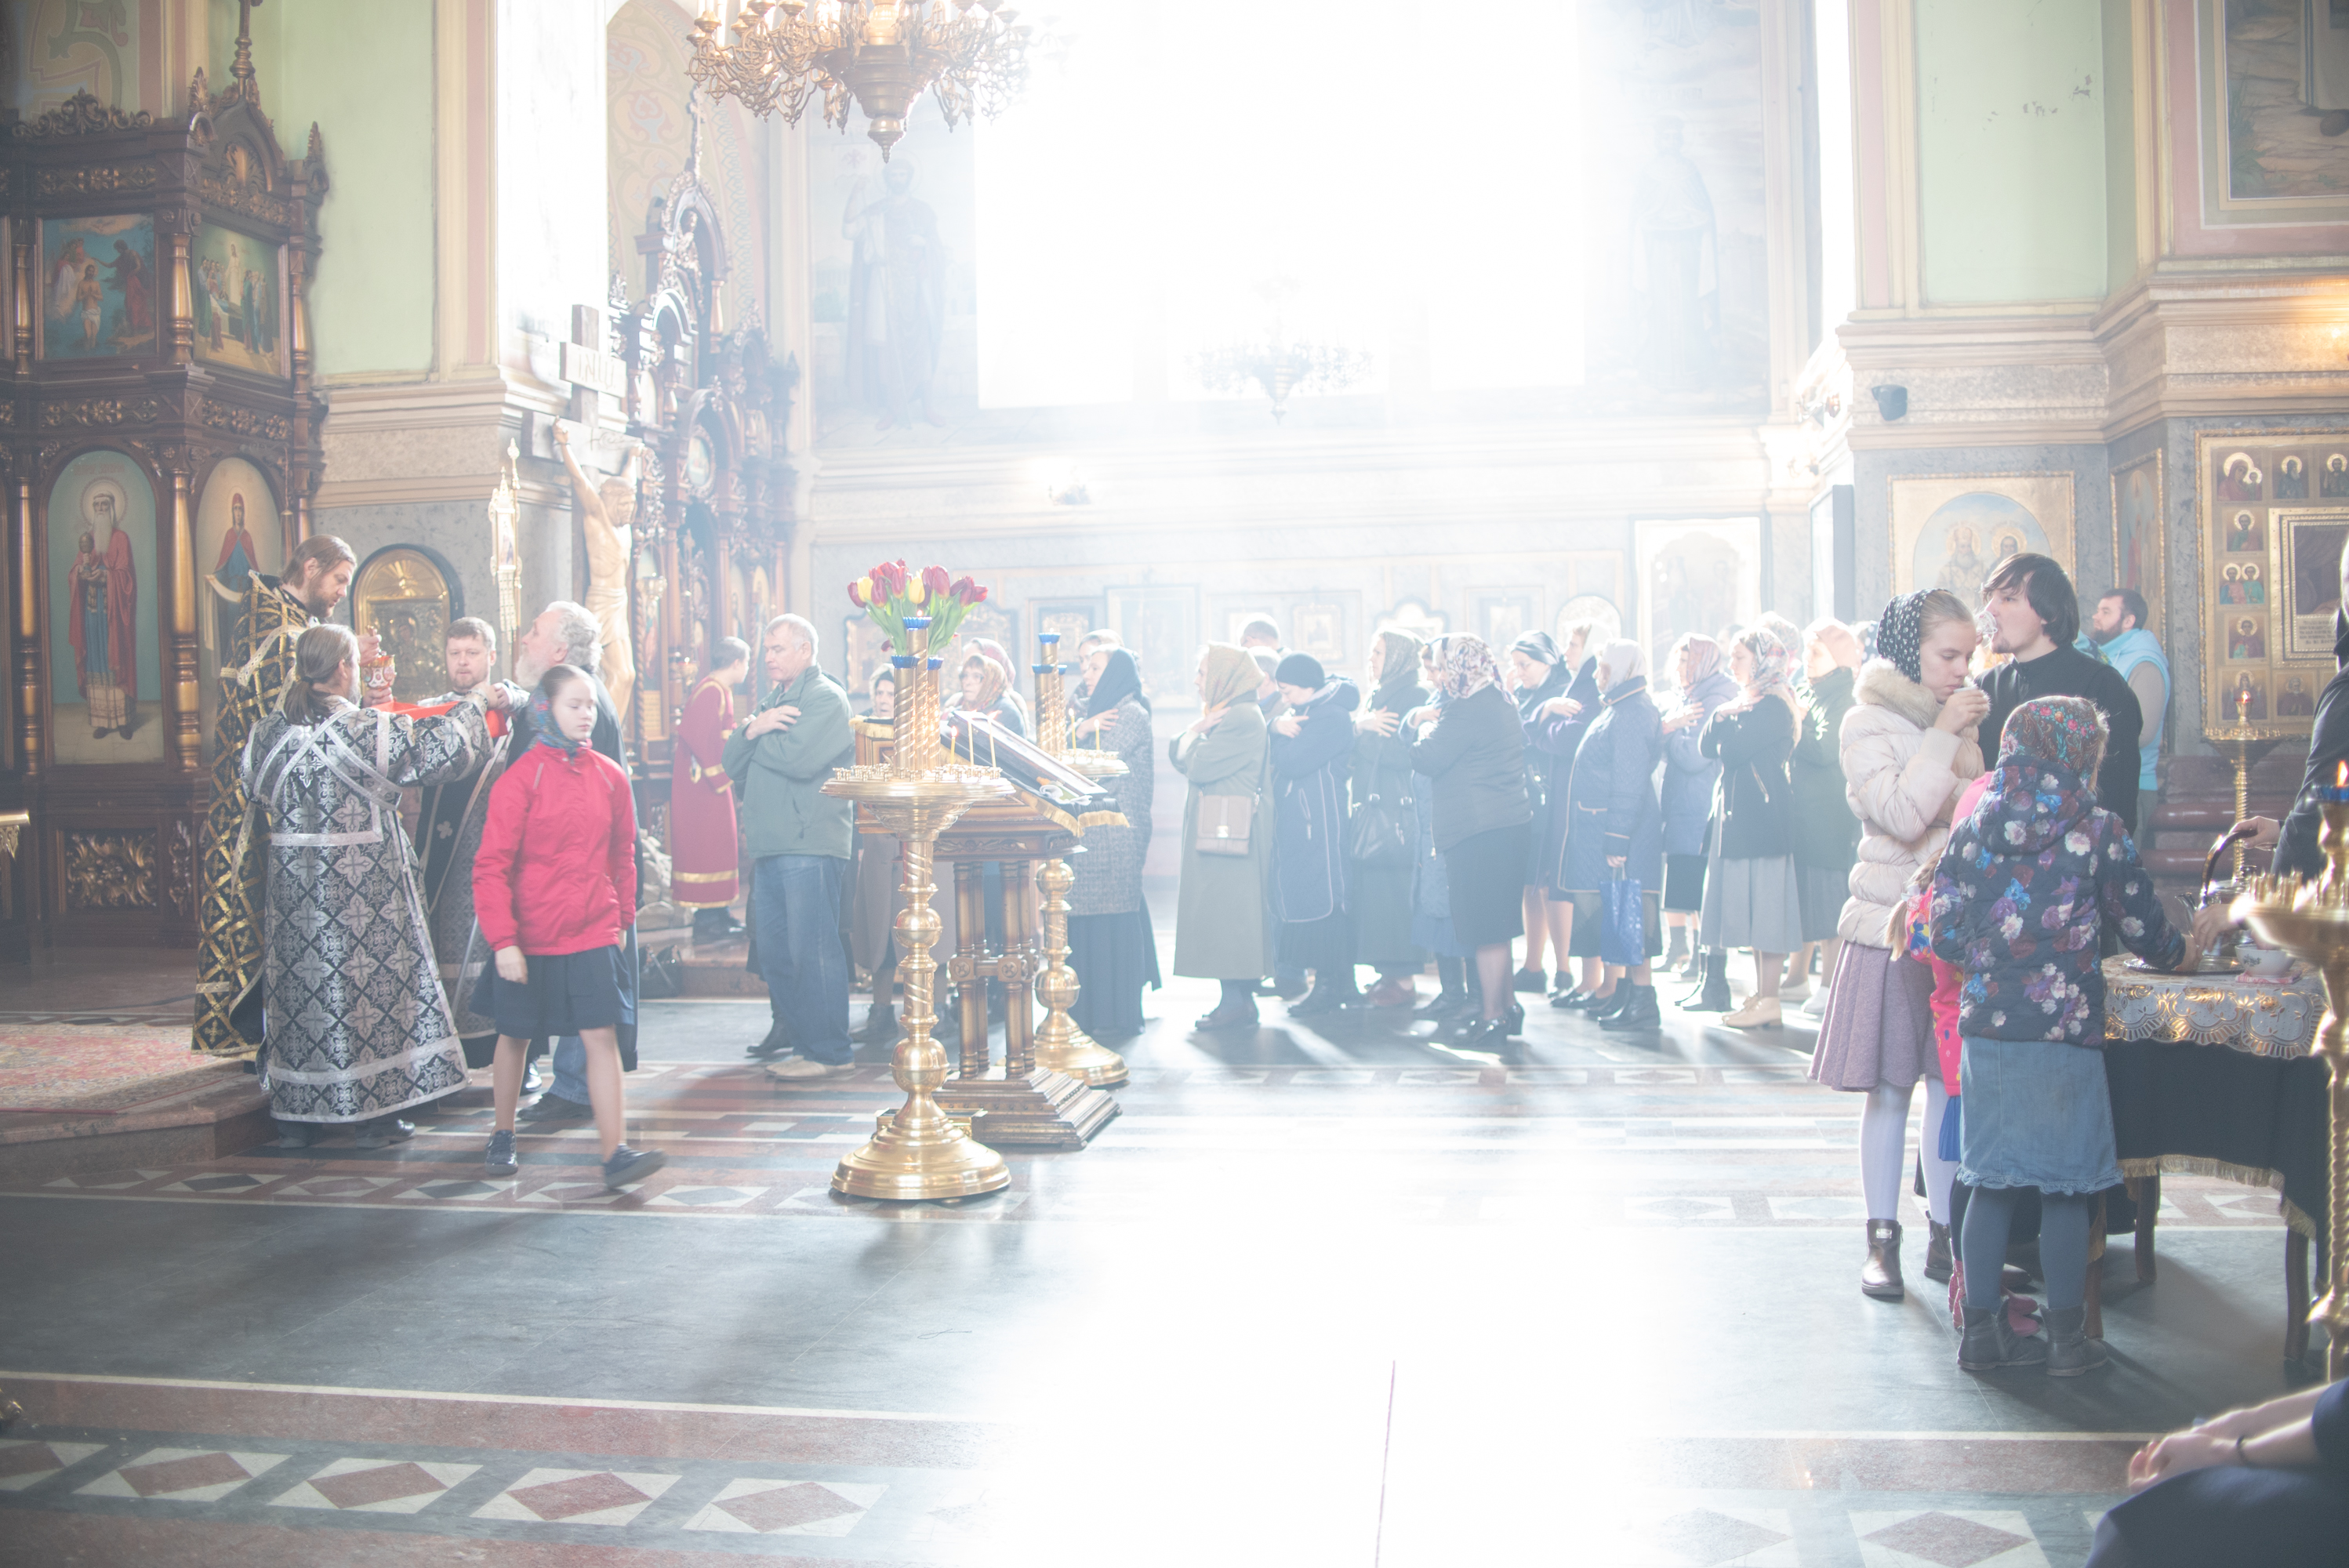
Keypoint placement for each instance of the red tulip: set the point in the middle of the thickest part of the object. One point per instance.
(859, 592)
(980, 595)
(934, 579)
(962, 590)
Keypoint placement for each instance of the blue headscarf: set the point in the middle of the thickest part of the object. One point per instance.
(543, 730)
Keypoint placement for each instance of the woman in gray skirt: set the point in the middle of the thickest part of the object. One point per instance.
(1750, 899)
(1908, 750)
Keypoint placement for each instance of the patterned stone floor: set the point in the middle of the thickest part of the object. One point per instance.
(1320, 1294)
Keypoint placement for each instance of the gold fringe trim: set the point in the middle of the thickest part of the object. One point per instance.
(1103, 820)
(2242, 1175)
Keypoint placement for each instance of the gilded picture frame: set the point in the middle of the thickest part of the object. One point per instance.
(2139, 547)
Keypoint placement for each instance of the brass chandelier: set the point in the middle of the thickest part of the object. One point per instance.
(881, 55)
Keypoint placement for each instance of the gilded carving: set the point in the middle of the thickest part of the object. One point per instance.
(180, 868)
(109, 870)
(98, 411)
(246, 422)
(105, 181)
(253, 203)
(8, 416)
(84, 115)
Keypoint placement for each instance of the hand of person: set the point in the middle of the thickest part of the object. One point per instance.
(1288, 726)
(782, 717)
(2181, 1452)
(1378, 721)
(1967, 707)
(1093, 725)
(512, 967)
(370, 646)
(1204, 722)
(561, 434)
(1561, 707)
(2264, 833)
(504, 698)
(2210, 922)
(1419, 717)
(2194, 945)
(1615, 862)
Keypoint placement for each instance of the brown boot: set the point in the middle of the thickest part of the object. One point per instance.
(1881, 1275)
(1938, 1255)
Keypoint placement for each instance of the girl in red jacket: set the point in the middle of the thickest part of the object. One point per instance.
(554, 889)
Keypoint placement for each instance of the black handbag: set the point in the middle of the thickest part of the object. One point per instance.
(1380, 836)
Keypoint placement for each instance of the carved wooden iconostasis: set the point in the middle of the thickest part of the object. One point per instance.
(695, 412)
(159, 442)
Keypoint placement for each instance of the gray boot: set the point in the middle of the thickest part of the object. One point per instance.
(2070, 1351)
(1990, 1344)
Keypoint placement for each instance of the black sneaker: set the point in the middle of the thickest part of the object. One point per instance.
(555, 1107)
(500, 1158)
(628, 1165)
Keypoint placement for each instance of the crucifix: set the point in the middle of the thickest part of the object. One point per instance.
(240, 69)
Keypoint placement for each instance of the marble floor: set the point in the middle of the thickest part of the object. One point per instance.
(1329, 1292)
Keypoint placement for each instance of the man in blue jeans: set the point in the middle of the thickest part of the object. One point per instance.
(799, 840)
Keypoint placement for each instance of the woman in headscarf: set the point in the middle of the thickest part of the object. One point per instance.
(1474, 751)
(1689, 779)
(2019, 907)
(1750, 898)
(1381, 782)
(988, 687)
(1616, 831)
(1430, 890)
(1907, 750)
(1013, 706)
(1312, 743)
(1221, 932)
(1110, 942)
(1557, 693)
(1826, 833)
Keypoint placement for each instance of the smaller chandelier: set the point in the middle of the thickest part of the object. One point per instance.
(1281, 367)
(880, 55)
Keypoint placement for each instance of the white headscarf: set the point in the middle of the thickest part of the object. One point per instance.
(1622, 660)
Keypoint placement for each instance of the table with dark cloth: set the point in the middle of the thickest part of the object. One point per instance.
(2213, 1075)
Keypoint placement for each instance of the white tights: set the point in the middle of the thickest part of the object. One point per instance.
(1884, 1140)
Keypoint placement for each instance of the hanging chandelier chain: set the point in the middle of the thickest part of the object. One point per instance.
(878, 54)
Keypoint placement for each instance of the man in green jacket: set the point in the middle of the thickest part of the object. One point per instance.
(799, 839)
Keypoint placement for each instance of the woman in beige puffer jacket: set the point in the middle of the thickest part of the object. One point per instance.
(1907, 748)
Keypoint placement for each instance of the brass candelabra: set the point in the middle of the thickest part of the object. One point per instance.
(918, 1150)
(2310, 920)
(1060, 1046)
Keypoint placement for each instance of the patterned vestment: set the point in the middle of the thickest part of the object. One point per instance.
(358, 1024)
(255, 671)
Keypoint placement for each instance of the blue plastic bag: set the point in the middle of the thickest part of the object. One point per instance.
(1623, 924)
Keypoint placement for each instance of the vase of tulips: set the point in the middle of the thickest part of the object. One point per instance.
(919, 611)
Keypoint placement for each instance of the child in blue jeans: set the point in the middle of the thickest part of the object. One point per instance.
(2025, 890)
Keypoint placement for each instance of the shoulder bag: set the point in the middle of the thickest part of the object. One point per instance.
(1380, 836)
(1224, 824)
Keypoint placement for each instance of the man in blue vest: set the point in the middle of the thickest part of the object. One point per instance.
(2118, 628)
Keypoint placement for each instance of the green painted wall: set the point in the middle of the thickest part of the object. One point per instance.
(2011, 150)
(2120, 148)
(362, 70)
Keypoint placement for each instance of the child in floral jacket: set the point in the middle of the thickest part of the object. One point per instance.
(2018, 907)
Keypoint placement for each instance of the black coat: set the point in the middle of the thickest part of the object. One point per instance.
(1753, 809)
(2328, 747)
(2068, 672)
(1475, 757)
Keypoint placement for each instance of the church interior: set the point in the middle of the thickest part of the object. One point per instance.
(630, 335)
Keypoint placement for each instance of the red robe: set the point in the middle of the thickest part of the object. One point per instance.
(705, 856)
(122, 618)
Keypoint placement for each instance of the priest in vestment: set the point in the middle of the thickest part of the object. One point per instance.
(704, 855)
(255, 670)
(449, 831)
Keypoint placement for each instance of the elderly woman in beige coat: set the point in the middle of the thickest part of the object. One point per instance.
(1907, 747)
(1221, 931)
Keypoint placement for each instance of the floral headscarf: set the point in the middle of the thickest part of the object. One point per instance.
(1772, 662)
(1465, 665)
(1900, 635)
(2065, 732)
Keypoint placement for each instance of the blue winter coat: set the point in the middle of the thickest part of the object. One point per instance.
(1688, 773)
(1611, 802)
(1309, 773)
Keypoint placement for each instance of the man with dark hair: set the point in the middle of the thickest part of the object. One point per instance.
(2119, 633)
(2036, 619)
(255, 669)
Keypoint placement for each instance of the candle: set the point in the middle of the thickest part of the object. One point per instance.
(2339, 793)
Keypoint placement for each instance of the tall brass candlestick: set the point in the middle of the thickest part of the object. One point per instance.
(918, 1151)
(1060, 1046)
(2312, 922)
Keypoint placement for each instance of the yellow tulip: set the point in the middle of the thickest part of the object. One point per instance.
(914, 591)
(864, 590)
